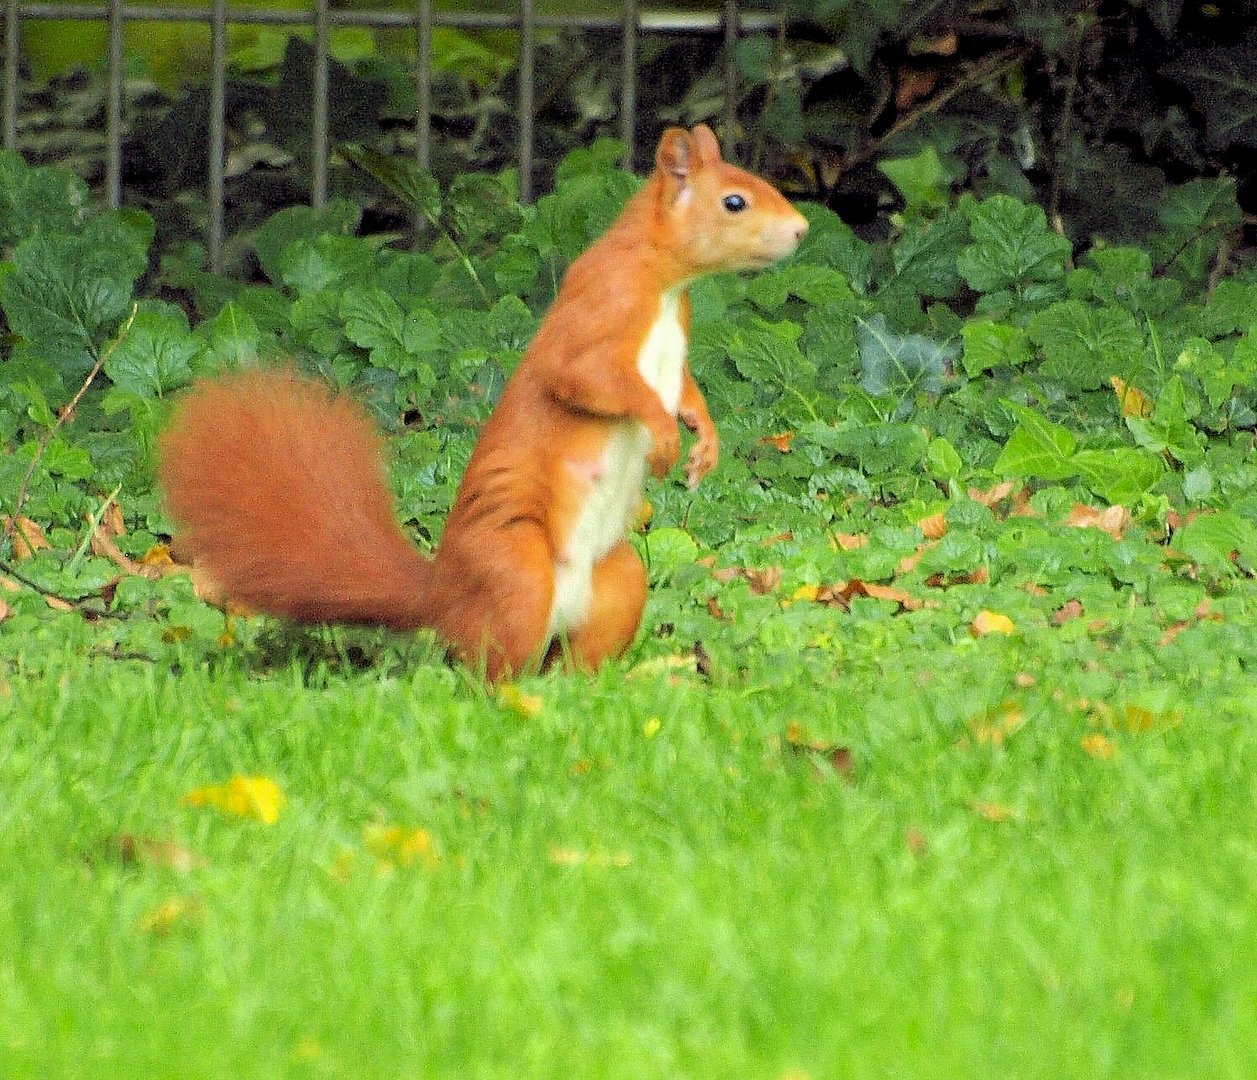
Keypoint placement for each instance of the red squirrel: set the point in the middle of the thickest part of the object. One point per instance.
(277, 487)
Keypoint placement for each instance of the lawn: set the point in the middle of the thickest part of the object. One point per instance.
(1026, 855)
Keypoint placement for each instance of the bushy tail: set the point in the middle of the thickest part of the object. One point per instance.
(277, 487)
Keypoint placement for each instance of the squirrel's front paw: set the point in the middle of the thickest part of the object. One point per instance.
(665, 449)
(703, 456)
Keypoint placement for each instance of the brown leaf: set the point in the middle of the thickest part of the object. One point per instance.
(763, 581)
(910, 562)
(1112, 520)
(942, 45)
(994, 811)
(978, 576)
(993, 495)
(111, 523)
(849, 541)
(840, 594)
(916, 841)
(5, 610)
(838, 758)
(130, 849)
(714, 609)
(914, 84)
(780, 441)
(103, 546)
(28, 537)
(934, 527)
(1070, 610)
(778, 538)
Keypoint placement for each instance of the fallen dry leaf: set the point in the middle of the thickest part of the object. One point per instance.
(837, 757)
(255, 797)
(994, 495)
(1098, 746)
(934, 527)
(849, 541)
(398, 846)
(1112, 520)
(170, 914)
(28, 537)
(566, 856)
(111, 523)
(1072, 609)
(131, 849)
(780, 441)
(993, 726)
(994, 811)
(909, 562)
(1130, 399)
(763, 581)
(521, 704)
(5, 610)
(991, 622)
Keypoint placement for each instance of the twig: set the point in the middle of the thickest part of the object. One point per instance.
(66, 412)
(71, 602)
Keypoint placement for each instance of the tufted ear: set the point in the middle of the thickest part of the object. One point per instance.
(675, 156)
(705, 144)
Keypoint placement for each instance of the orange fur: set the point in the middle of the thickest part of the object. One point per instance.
(278, 489)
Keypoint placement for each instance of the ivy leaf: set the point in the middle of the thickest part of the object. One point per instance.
(1211, 539)
(157, 355)
(1120, 475)
(901, 365)
(1037, 447)
(1012, 246)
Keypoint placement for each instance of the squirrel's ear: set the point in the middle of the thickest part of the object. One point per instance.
(675, 155)
(705, 144)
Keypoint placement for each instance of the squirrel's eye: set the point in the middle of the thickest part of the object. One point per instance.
(734, 203)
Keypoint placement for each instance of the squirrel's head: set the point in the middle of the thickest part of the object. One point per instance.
(720, 217)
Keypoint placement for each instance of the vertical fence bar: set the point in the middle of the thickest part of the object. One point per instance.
(113, 109)
(12, 46)
(628, 85)
(731, 27)
(423, 88)
(319, 115)
(526, 98)
(217, 131)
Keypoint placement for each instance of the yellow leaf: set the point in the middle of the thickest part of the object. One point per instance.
(398, 845)
(651, 728)
(803, 592)
(170, 914)
(1098, 746)
(997, 723)
(645, 511)
(256, 797)
(513, 698)
(664, 665)
(1130, 399)
(992, 622)
(994, 811)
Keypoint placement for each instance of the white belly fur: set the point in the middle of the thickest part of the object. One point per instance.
(616, 492)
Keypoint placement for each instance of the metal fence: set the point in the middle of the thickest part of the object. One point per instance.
(728, 20)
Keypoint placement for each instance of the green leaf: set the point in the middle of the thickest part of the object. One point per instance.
(65, 293)
(1037, 448)
(43, 199)
(924, 257)
(1083, 345)
(401, 175)
(1212, 539)
(1195, 217)
(811, 284)
(1120, 475)
(989, 344)
(338, 218)
(901, 365)
(1012, 246)
(232, 336)
(922, 179)
(326, 262)
(157, 355)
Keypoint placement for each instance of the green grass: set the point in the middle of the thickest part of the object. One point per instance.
(705, 901)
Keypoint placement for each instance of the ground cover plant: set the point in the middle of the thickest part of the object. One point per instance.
(933, 756)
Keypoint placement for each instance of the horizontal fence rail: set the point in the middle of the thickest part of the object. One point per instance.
(631, 23)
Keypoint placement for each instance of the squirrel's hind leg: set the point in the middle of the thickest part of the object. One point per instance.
(619, 594)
